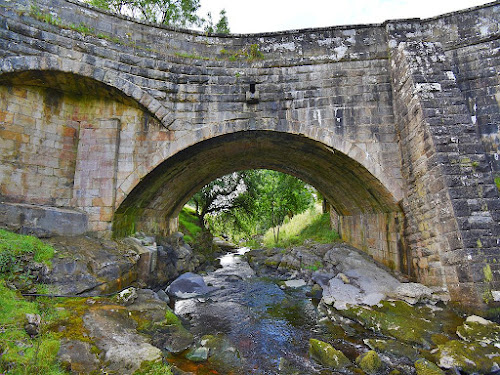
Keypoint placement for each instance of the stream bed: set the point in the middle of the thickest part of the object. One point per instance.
(250, 322)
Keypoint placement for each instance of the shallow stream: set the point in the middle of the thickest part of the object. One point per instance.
(268, 324)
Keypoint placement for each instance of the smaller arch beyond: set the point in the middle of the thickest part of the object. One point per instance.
(12, 65)
(347, 184)
(329, 141)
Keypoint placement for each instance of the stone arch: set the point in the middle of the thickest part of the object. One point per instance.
(17, 64)
(362, 203)
(324, 136)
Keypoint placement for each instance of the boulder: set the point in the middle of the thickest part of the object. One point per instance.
(113, 331)
(470, 357)
(327, 355)
(412, 293)
(426, 367)
(188, 285)
(369, 362)
(173, 338)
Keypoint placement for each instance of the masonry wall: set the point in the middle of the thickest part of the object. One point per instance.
(412, 105)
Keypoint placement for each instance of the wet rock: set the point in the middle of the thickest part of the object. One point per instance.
(397, 319)
(233, 278)
(322, 278)
(480, 330)
(316, 292)
(78, 357)
(114, 333)
(426, 367)
(224, 245)
(469, 357)
(222, 354)
(369, 362)
(393, 348)
(147, 309)
(327, 355)
(163, 296)
(199, 354)
(173, 338)
(188, 285)
(297, 283)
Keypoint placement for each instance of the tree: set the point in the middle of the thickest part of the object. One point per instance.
(219, 196)
(221, 27)
(251, 201)
(178, 13)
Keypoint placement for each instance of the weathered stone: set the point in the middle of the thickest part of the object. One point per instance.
(188, 285)
(327, 355)
(469, 357)
(114, 333)
(426, 367)
(369, 362)
(77, 356)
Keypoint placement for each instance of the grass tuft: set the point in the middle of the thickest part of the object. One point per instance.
(309, 225)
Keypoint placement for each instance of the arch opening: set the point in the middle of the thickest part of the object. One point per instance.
(363, 210)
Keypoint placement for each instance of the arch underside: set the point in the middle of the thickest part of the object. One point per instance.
(355, 195)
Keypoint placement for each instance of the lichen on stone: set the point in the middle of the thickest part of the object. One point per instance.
(327, 355)
(369, 362)
(426, 367)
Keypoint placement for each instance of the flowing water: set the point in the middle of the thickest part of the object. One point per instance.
(269, 326)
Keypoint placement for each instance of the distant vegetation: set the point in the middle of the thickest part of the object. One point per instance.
(250, 205)
(309, 225)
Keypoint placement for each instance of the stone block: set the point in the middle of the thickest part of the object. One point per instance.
(42, 221)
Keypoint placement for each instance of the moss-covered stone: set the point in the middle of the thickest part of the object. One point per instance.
(398, 319)
(327, 355)
(393, 347)
(476, 329)
(426, 367)
(369, 362)
(468, 356)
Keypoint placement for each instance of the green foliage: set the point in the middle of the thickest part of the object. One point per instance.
(154, 368)
(221, 27)
(177, 13)
(13, 246)
(310, 225)
(249, 53)
(20, 353)
(189, 224)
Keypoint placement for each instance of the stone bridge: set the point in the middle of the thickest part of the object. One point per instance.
(109, 125)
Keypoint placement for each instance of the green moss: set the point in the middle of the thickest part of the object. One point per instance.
(393, 347)
(171, 318)
(327, 355)
(369, 362)
(485, 334)
(153, 368)
(497, 182)
(488, 274)
(425, 367)
(469, 357)
(14, 245)
(397, 319)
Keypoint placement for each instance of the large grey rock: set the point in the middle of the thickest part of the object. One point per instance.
(114, 332)
(188, 285)
(91, 266)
